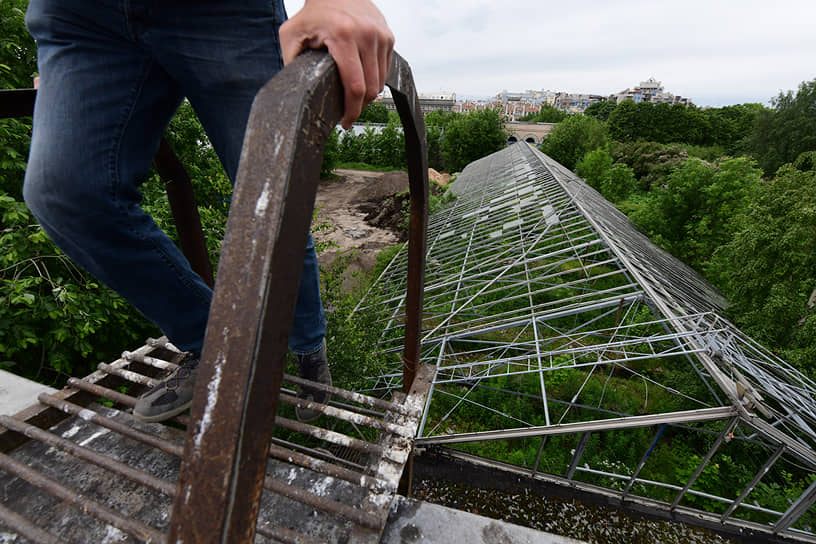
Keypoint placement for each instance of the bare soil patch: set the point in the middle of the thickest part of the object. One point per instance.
(360, 213)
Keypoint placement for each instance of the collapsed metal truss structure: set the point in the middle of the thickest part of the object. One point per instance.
(559, 329)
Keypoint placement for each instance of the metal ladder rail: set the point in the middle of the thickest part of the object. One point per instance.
(222, 473)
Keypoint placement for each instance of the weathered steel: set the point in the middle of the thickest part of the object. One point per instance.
(255, 294)
(79, 501)
(401, 82)
(113, 425)
(182, 200)
(26, 528)
(17, 102)
(44, 416)
(335, 471)
(346, 415)
(366, 400)
(359, 516)
(89, 455)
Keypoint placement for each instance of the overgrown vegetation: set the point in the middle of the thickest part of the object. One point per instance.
(454, 141)
(727, 190)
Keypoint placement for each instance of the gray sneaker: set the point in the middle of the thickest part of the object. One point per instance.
(314, 367)
(170, 397)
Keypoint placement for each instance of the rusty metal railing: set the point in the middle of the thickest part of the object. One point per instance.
(229, 443)
(245, 346)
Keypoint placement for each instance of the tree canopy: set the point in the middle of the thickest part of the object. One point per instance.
(782, 134)
(375, 112)
(472, 136)
(546, 114)
(572, 138)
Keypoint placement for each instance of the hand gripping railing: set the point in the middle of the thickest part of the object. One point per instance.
(225, 456)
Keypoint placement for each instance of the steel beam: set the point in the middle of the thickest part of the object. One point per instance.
(614, 424)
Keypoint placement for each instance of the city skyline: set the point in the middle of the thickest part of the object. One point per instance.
(717, 53)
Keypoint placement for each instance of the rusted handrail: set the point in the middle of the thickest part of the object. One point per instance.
(243, 359)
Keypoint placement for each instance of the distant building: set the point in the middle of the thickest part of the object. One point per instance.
(652, 91)
(427, 102)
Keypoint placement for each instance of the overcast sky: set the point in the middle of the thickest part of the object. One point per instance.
(717, 52)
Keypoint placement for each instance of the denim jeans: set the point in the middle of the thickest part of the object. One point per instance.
(112, 73)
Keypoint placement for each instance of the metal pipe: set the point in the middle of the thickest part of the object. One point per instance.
(80, 502)
(89, 455)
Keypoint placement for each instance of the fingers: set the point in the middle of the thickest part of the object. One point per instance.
(357, 37)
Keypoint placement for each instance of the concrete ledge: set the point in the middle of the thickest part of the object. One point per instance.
(17, 393)
(414, 521)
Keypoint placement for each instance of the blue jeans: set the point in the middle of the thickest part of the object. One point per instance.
(112, 73)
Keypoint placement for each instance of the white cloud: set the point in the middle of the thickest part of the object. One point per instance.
(714, 51)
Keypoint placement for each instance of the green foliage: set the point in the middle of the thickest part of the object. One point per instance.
(385, 148)
(18, 52)
(54, 319)
(618, 183)
(601, 110)
(375, 112)
(594, 167)
(351, 340)
(546, 114)
(472, 136)
(650, 162)
(572, 138)
(695, 213)
(663, 123)
(731, 126)
(18, 66)
(331, 154)
(768, 268)
(805, 162)
(781, 135)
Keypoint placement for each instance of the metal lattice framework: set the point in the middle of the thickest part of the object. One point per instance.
(555, 324)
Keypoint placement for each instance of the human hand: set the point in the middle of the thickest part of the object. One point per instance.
(357, 37)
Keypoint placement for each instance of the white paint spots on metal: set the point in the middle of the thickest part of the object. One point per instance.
(263, 201)
(212, 400)
(94, 436)
(71, 432)
(112, 535)
(86, 414)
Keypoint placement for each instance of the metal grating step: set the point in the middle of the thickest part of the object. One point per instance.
(101, 476)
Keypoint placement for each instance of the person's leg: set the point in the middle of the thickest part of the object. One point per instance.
(221, 54)
(102, 107)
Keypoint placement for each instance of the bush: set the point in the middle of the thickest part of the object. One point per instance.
(572, 138)
(594, 167)
(471, 137)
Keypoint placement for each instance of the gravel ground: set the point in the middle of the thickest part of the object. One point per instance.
(566, 517)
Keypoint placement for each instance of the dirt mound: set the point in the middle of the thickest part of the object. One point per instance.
(441, 179)
(387, 184)
(343, 204)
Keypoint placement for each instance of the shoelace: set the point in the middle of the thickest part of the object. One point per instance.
(184, 371)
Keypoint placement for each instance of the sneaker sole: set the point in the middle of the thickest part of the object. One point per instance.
(164, 415)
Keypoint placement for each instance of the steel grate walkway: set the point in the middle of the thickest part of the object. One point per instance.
(118, 475)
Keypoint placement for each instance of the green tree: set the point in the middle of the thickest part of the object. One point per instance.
(731, 126)
(572, 138)
(618, 183)
(18, 52)
(18, 65)
(781, 135)
(768, 268)
(472, 136)
(594, 167)
(375, 112)
(601, 110)
(696, 212)
(546, 114)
